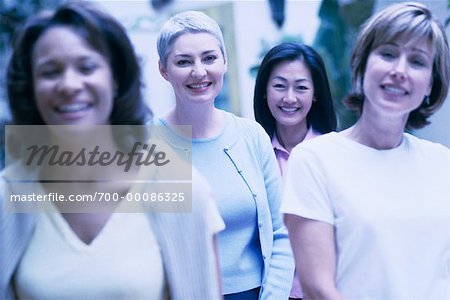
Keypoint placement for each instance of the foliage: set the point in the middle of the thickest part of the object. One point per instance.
(13, 13)
(340, 22)
(266, 46)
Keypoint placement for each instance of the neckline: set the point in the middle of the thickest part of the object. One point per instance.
(401, 147)
(198, 140)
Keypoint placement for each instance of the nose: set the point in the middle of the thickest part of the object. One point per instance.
(198, 70)
(399, 69)
(289, 97)
(70, 82)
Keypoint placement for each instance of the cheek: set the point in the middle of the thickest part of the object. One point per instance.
(308, 101)
(371, 77)
(273, 95)
(429, 85)
(270, 98)
(272, 103)
(175, 76)
(373, 67)
(41, 92)
(219, 70)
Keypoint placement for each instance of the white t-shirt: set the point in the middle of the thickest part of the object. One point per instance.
(390, 210)
(122, 262)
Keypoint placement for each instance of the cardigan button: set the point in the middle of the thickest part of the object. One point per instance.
(260, 225)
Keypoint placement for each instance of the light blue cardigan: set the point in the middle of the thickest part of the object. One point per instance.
(251, 153)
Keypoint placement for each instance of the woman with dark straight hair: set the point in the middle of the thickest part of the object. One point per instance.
(292, 101)
(292, 98)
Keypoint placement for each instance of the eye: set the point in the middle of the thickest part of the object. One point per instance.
(387, 54)
(210, 58)
(278, 86)
(49, 72)
(182, 62)
(88, 68)
(418, 61)
(302, 88)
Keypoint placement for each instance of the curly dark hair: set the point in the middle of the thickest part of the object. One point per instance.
(104, 34)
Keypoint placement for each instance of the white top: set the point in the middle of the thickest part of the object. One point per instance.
(390, 210)
(191, 272)
(122, 262)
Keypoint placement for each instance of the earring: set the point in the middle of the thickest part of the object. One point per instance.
(314, 100)
(426, 100)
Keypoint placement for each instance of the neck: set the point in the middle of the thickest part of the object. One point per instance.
(206, 121)
(377, 132)
(291, 136)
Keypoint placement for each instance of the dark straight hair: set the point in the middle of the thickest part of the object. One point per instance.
(321, 116)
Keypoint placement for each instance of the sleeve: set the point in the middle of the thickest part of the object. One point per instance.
(305, 191)
(278, 281)
(213, 219)
(15, 231)
(187, 245)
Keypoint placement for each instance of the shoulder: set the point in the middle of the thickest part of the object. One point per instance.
(247, 125)
(425, 147)
(433, 153)
(323, 151)
(16, 171)
(248, 129)
(320, 143)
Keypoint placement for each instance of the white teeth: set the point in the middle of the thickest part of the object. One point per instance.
(199, 85)
(289, 109)
(394, 90)
(69, 108)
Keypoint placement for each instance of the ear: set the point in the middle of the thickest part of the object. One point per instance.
(162, 70)
(225, 61)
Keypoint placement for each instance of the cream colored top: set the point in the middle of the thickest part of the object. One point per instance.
(122, 262)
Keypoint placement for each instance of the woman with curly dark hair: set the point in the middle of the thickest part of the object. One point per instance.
(76, 68)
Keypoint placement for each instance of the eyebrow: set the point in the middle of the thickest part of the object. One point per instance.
(52, 60)
(297, 80)
(413, 48)
(188, 55)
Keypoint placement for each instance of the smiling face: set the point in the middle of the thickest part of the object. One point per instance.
(290, 92)
(195, 68)
(398, 76)
(73, 83)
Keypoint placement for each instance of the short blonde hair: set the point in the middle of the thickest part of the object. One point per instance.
(413, 21)
(184, 22)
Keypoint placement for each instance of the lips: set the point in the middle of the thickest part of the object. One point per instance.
(394, 90)
(289, 109)
(201, 85)
(73, 107)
